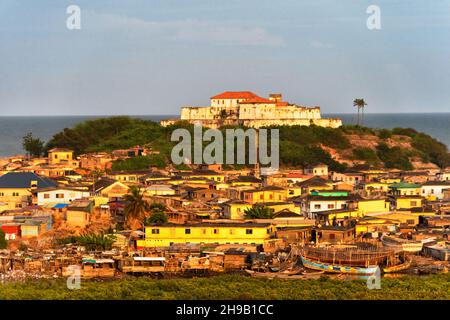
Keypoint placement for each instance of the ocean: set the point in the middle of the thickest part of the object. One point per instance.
(12, 129)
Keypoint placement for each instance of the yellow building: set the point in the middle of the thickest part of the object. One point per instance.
(60, 156)
(235, 209)
(372, 206)
(265, 194)
(408, 202)
(405, 189)
(163, 235)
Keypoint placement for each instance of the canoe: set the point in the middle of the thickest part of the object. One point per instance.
(400, 267)
(320, 266)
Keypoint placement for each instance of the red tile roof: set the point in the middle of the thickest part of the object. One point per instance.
(236, 95)
(258, 100)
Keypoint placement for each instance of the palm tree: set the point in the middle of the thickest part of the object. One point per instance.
(136, 206)
(360, 104)
(258, 213)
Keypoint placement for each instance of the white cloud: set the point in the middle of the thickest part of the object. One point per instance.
(220, 33)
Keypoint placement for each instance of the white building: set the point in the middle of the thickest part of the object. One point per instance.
(434, 189)
(56, 195)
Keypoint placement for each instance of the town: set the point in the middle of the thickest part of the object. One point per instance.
(66, 209)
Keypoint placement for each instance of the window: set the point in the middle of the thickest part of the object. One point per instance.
(155, 231)
(59, 195)
(46, 196)
(271, 196)
(331, 206)
(216, 231)
(187, 231)
(67, 157)
(261, 197)
(317, 206)
(15, 194)
(413, 203)
(248, 231)
(2, 194)
(56, 156)
(231, 231)
(203, 231)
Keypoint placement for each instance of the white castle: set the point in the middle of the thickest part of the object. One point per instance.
(248, 109)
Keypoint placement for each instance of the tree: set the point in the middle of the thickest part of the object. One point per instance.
(3, 243)
(33, 146)
(136, 207)
(156, 217)
(360, 104)
(258, 213)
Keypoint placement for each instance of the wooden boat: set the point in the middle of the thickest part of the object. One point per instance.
(398, 268)
(333, 268)
(142, 264)
(402, 244)
(355, 255)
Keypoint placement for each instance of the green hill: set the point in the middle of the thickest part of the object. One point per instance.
(299, 145)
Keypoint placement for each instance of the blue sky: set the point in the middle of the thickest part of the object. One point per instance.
(151, 57)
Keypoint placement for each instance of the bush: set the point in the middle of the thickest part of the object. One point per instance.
(393, 158)
(3, 243)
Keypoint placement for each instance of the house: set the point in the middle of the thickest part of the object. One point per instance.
(315, 183)
(159, 190)
(114, 190)
(235, 209)
(250, 181)
(11, 230)
(335, 234)
(328, 200)
(48, 196)
(96, 161)
(434, 190)
(264, 194)
(375, 205)
(317, 170)
(376, 225)
(60, 156)
(31, 229)
(328, 217)
(405, 202)
(163, 235)
(405, 189)
(291, 234)
(205, 174)
(131, 177)
(78, 213)
(16, 187)
(351, 177)
(443, 175)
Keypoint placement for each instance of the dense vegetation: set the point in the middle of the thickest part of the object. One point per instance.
(91, 241)
(234, 287)
(300, 146)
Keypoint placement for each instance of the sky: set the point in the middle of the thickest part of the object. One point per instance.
(148, 57)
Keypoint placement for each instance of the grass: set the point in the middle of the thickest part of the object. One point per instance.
(232, 287)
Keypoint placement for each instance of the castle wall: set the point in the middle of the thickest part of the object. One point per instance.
(253, 115)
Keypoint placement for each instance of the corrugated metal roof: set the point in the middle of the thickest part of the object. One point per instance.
(22, 180)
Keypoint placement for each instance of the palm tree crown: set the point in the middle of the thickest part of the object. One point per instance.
(136, 206)
(360, 104)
